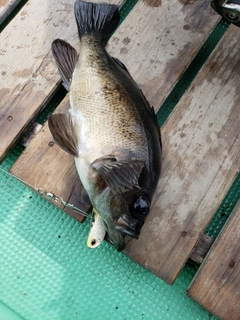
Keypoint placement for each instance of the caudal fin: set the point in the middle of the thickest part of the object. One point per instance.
(96, 18)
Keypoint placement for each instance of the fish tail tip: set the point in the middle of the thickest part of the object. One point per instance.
(99, 18)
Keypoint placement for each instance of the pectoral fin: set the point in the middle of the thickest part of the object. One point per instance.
(119, 175)
(65, 130)
(66, 58)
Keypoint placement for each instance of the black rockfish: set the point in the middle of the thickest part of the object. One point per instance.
(110, 129)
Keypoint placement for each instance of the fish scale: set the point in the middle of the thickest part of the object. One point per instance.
(106, 113)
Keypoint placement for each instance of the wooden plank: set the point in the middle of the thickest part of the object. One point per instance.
(28, 73)
(159, 39)
(217, 284)
(6, 7)
(201, 143)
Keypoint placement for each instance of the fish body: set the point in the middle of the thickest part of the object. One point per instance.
(97, 231)
(111, 130)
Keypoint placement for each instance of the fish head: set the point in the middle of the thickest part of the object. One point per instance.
(124, 215)
(122, 200)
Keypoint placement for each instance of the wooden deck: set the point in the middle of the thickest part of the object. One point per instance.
(156, 41)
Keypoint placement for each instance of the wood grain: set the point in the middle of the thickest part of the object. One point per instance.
(217, 284)
(6, 7)
(159, 39)
(28, 75)
(201, 144)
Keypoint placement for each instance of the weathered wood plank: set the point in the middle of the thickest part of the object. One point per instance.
(201, 143)
(6, 7)
(28, 73)
(217, 284)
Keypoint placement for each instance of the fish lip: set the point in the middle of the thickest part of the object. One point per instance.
(130, 227)
(120, 245)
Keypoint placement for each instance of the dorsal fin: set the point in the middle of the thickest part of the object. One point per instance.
(120, 64)
(66, 58)
(157, 126)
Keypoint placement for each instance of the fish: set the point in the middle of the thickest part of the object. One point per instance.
(97, 231)
(111, 130)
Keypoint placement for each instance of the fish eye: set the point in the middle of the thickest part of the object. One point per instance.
(140, 208)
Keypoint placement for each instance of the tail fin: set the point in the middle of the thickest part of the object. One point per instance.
(96, 18)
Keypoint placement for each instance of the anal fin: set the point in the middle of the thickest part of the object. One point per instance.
(65, 130)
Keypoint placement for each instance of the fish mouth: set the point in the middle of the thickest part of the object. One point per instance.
(130, 227)
(124, 227)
